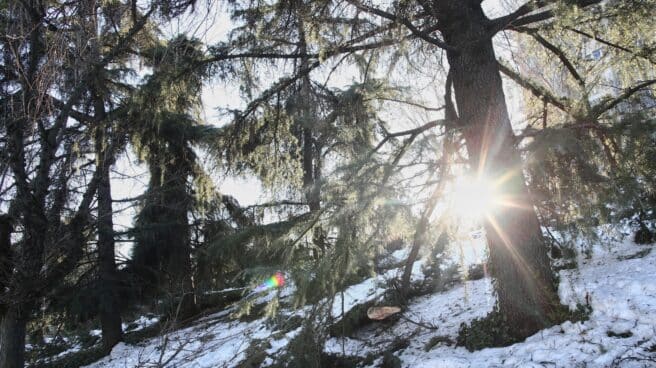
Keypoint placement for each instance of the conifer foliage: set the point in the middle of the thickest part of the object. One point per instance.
(356, 118)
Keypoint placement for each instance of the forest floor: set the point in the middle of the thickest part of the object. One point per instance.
(616, 278)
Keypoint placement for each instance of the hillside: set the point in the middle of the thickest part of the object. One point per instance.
(616, 280)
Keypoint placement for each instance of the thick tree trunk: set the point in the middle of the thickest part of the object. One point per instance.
(179, 266)
(518, 257)
(110, 314)
(12, 336)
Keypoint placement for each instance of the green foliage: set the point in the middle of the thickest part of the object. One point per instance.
(590, 163)
(489, 331)
(644, 235)
(493, 330)
(164, 136)
(390, 361)
(305, 350)
(255, 354)
(581, 313)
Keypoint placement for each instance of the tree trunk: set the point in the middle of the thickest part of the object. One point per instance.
(6, 267)
(12, 336)
(179, 268)
(422, 226)
(308, 118)
(110, 315)
(420, 236)
(310, 186)
(518, 257)
(181, 282)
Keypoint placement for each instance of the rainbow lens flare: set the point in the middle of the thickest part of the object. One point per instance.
(275, 281)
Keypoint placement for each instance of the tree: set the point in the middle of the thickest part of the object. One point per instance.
(69, 105)
(519, 261)
(164, 137)
(107, 141)
(583, 133)
(110, 314)
(48, 72)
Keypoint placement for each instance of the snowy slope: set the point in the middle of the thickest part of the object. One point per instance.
(618, 281)
(620, 333)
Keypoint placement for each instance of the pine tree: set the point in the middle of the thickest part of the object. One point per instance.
(49, 71)
(164, 137)
(519, 261)
(585, 166)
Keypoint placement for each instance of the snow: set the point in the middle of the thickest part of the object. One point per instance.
(621, 331)
(139, 324)
(210, 344)
(400, 255)
(622, 294)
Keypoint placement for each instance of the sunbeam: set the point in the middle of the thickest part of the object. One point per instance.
(472, 198)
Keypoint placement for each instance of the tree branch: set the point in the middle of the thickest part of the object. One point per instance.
(608, 43)
(608, 104)
(503, 22)
(537, 90)
(561, 55)
(404, 21)
(410, 132)
(520, 18)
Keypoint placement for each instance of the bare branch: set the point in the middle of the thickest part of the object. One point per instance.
(411, 103)
(503, 22)
(608, 43)
(521, 16)
(608, 104)
(411, 132)
(561, 55)
(537, 90)
(424, 35)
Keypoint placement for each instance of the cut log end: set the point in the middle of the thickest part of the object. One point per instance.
(381, 313)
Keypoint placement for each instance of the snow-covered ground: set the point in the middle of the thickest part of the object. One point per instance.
(618, 281)
(621, 331)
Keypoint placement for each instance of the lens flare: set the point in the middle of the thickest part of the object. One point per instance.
(275, 281)
(472, 198)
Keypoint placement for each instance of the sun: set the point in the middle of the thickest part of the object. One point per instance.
(472, 198)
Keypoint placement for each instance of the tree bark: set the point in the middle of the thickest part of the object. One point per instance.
(110, 311)
(6, 266)
(179, 268)
(307, 119)
(12, 336)
(30, 196)
(518, 258)
(110, 314)
(422, 226)
(310, 184)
